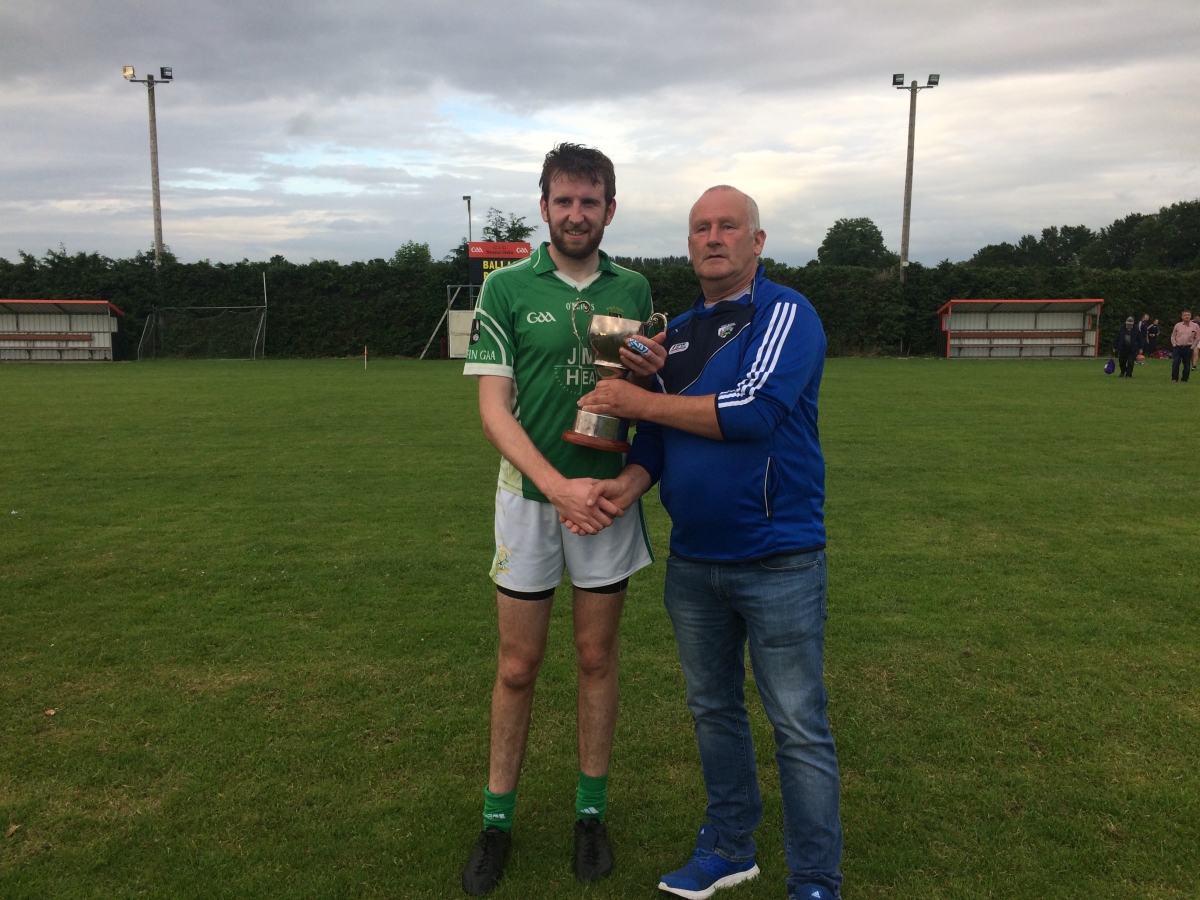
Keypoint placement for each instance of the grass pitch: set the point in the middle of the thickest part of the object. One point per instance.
(255, 597)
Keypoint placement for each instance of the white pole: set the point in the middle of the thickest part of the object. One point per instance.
(264, 341)
(450, 298)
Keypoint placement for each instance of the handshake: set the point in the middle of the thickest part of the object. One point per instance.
(589, 505)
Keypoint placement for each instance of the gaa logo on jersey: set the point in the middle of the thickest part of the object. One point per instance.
(474, 331)
(534, 318)
(725, 330)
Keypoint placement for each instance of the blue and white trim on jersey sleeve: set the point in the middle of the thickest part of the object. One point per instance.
(765, 361)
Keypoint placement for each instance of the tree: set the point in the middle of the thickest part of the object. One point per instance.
(412, 255)
(999, 256)
(855, 242)
(1063, 247)
(1117, 245)
(498, 228)
(1167, 239)
(1056, 248)
(1175, 241)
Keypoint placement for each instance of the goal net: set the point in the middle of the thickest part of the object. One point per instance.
(204, 332)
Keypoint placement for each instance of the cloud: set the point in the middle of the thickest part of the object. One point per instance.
(343, 129)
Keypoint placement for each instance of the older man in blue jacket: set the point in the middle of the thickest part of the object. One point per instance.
(731, 430)
(1127, 345)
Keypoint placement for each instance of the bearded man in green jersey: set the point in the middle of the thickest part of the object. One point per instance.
(532, 371)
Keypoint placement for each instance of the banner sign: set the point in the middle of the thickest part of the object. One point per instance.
(485, 257)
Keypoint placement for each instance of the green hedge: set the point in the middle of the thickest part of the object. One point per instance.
(325, 308)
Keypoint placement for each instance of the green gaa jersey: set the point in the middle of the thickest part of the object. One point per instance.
(522, 330)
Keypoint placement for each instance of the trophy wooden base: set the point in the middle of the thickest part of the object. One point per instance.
(596, 443)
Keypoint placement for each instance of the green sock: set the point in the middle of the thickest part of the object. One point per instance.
(498, 809)
(591, 797)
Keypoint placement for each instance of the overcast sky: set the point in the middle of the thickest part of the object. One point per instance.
(340, 130)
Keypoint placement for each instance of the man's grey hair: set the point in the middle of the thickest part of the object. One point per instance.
(751, 206)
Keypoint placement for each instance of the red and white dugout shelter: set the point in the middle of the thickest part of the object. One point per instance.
(57, 330)
(992, 329)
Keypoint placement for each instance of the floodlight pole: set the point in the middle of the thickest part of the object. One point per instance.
(158, 248)
(149, 82)
(467, 197)
(908, 172)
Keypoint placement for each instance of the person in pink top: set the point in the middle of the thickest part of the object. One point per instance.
(1185, 337)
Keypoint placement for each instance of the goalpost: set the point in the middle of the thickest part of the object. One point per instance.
(206, 332)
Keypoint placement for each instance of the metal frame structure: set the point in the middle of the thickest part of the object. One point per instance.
(452, 294)
(1021, 329)
(154, 327)
(258, 350)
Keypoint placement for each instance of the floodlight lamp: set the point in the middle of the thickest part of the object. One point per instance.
(164, 73)
(466, 196)
(127, 71)
(898, 80)
(933, 80)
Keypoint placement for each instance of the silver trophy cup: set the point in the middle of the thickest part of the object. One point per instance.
(606, 335)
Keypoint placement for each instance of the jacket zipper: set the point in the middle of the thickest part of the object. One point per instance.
(766, 479)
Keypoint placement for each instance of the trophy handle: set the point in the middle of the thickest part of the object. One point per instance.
(657, 317)
(587, 308)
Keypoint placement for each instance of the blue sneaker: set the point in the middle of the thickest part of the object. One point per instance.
(813, 892)
(705, 871)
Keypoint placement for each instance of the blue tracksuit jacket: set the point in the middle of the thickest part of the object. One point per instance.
(761, 490)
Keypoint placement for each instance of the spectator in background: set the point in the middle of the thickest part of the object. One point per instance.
(1152, 338)
(1142, 326)
(1126, 346)
(1184, 338)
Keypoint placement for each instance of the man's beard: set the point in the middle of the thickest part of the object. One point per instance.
(558, 237)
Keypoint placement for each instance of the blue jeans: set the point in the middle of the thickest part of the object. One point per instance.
(778, 606)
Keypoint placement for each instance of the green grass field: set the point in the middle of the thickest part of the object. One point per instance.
(256, 597)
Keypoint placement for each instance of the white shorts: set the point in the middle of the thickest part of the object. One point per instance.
(532, 547)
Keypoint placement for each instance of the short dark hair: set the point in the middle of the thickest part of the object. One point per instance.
(578, 161)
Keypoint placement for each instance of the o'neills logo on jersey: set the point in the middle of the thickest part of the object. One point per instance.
(579, 373)
(534, 318)
(679, 348)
